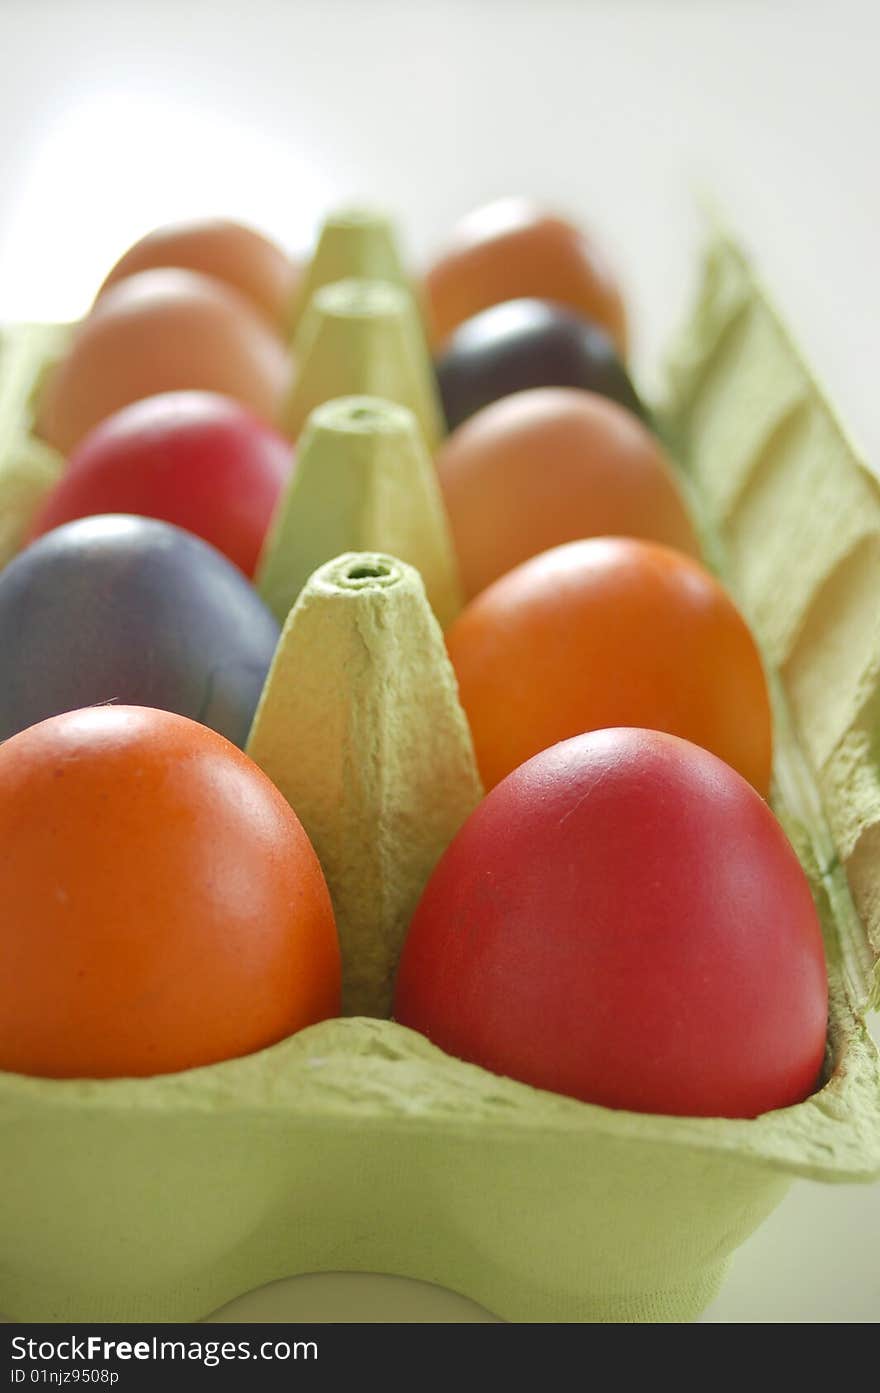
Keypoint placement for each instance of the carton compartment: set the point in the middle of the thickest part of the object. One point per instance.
(356, 1145)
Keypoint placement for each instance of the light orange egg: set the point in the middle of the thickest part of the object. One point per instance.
(552, 465)
(512, 250)
(162, 331)
(226, 250)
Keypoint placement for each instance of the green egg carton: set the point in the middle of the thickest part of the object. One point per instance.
(356, 1145)
(28, 466)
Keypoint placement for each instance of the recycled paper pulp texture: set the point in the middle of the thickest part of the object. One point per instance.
(363, 481)
(798, 517)
(360, 727)
(28, 466)
(356, 1145)
(355, 242)
(363, 338)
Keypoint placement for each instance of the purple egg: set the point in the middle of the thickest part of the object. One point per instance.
(130, 610)
(521, 344)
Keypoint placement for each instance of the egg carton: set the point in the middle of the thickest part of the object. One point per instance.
(356, 1144)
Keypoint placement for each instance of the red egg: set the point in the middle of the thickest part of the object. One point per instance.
(623, 920)
(195, 459)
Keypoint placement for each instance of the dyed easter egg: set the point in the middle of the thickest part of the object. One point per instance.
(513, 248)
(528, 343)
(127, 609)
(552, 465)
(162, 331)
(199, 460)
(162, 906)
(623, 920)
(610, 632)
(229, 251)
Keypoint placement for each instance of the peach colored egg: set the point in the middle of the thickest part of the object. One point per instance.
(552, 465)
(229, 251)
(162, 331)
(513, 249)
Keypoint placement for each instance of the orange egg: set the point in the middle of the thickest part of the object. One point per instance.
(512, 249)
(162, 905)
(610, 632)
(162, 331)
(226, 250)
(553, 465)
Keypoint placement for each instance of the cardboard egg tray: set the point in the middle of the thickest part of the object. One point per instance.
(357, 1145)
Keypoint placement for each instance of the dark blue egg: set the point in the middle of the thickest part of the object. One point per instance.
(522, 344)
(130, 610)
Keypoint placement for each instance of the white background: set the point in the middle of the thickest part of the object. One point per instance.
(116, 116)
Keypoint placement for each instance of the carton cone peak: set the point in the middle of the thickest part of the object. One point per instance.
(355, 241)
(359, 217)
(363, 482)
(363, 416)
(360, 297)
(358, 336)
(361, 729)
(362, 573)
